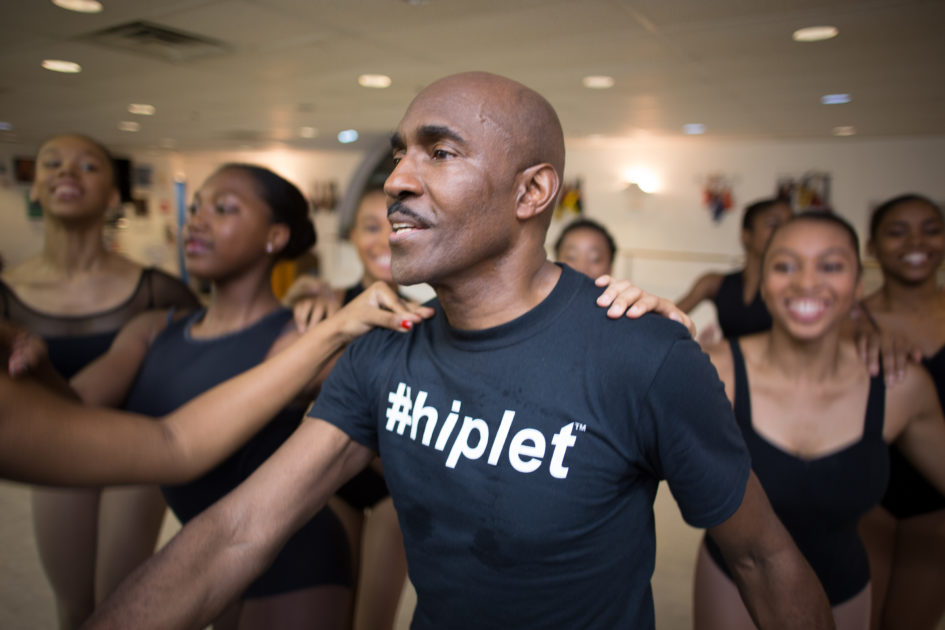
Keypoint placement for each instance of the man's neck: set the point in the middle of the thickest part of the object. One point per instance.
(487, 300)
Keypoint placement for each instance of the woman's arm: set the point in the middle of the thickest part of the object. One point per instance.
(107, 380)
(49, 439)
(705, 288)
(922, 436)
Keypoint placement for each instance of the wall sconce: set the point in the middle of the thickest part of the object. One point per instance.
(642, 179)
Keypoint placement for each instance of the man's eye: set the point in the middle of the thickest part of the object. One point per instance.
(440, 154)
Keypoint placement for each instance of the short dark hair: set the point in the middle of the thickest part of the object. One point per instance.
(589, 224)
(760, 206)
(287, 204)
(880, 212)
(823, 217)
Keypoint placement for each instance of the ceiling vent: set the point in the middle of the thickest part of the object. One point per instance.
(156, 41)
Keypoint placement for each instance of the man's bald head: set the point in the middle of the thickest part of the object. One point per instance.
(523, 118)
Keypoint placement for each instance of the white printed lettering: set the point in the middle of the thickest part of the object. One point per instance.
(426, 413)
(447, 429)
(461, 445)
(526, 450)
(523, 457)
(500, 437)
(562, 440)
(398, 413)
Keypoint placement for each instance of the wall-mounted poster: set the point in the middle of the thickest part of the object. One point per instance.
(717, 195)
(570, 204)
(24, 169)
(810, 191)
(143, 175)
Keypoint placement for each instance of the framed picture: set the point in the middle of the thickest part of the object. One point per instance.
(143, 175)
(24, 169)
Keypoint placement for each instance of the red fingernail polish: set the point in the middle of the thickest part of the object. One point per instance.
(406, 324)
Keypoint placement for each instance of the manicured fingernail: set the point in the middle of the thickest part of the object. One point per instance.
(406, 324)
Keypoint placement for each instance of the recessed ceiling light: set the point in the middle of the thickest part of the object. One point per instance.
(835, 99)
(5, 126)
(59, 65)
(308, 132)
(142, 109)
(846, 130)
(82, 6)
(374, 80)
(693, 129)
(598, 82)
(347, 136)
(129, 125)
(815, 33)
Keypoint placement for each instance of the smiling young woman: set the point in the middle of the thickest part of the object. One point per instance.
(817, 424)
(906, 535)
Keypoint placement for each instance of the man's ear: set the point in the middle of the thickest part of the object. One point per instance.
(536, 190)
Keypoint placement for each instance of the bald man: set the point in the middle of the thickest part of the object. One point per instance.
(523, 433)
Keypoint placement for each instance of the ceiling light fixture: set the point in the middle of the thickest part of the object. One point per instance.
(60, 65)
(308, 132)
(129, 125)
(598, 82)
(846, 130)
(5, 126)
(815, 33)
(142, 109)
(80, 6)
(835, 99)
(347, 136)
(374, 80)
(693, 129)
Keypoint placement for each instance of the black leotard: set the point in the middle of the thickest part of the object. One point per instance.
(76, 340)
(178, 368)
(820, 500)
(368, 487)
(909, 493)
(735, 317)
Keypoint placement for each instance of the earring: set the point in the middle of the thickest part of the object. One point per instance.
(268, 248)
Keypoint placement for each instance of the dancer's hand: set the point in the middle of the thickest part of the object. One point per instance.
(622, 297)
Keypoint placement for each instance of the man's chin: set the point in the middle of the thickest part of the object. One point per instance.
(404, 276)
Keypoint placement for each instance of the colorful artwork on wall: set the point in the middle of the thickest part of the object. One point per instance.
(570, 204)
(717, 195)
(810, 191)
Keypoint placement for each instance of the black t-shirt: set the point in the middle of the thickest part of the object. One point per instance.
(524, 459)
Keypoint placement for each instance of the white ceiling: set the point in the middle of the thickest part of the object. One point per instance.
(729, 64)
